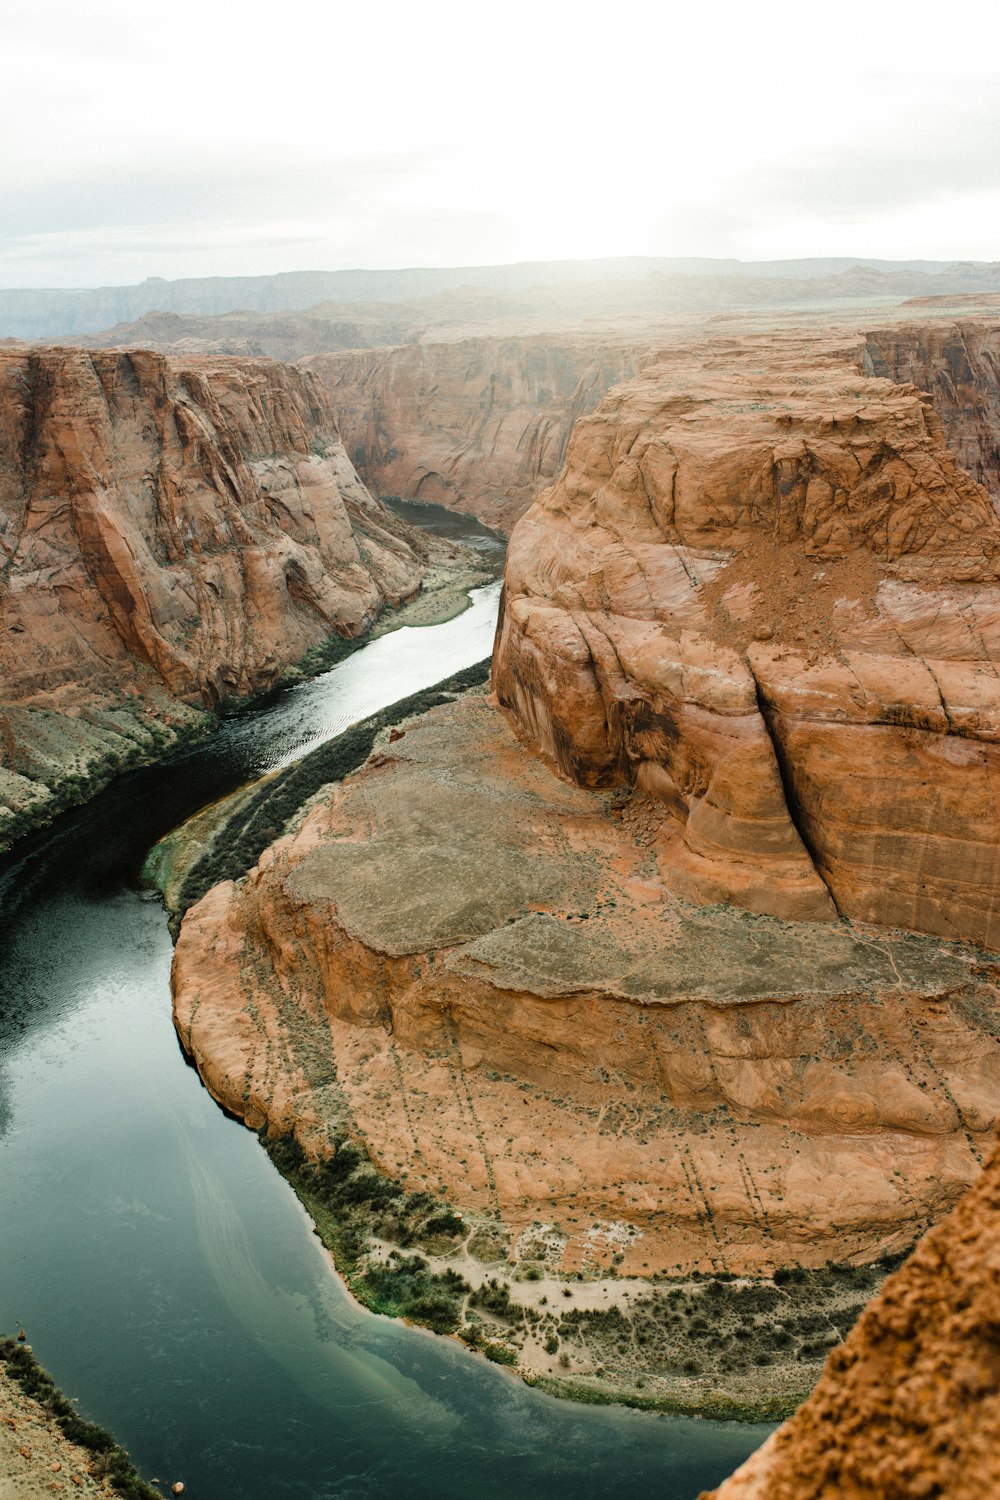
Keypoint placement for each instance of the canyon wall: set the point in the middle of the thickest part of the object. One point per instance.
(172, 535)
(478, 424)
(910, 1405)
(958, 364)
(763, 591)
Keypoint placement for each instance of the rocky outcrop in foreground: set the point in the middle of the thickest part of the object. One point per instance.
(910, 1406)
(480, 424)
(46, 1447)
(763, 592)
(172, 535)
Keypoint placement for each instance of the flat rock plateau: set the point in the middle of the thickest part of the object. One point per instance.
(675, 957)
(174, 534)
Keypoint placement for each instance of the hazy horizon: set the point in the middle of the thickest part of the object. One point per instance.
(187, 144)
(844, 263)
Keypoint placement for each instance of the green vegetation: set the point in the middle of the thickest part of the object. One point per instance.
(136, 745)
(494, 1298)
(350, 1203)
(724, 1331)
(699, 1344)
(499, 1354)
(712, 1404)
(109, 1459)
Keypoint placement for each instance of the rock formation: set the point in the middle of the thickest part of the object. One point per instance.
(616, 966)
(763, 592)
(478, 961)
(910, 1405)
(171, 535)
(274, 335)
(479, 424)
(958, 364)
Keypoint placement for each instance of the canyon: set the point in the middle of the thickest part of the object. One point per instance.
(173, 536)
(672, 957)
(477, 424)
(665, 965)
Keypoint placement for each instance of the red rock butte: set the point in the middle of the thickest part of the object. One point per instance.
(764, 593)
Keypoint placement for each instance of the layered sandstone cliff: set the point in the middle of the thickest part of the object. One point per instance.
(958, 364)
(910, 1406)
(764, 592)
(172, 534)
(479, 424)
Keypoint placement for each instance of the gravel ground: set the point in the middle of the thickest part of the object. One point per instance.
(35, 1457)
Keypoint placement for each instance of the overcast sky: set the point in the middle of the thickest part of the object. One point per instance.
(208, 138)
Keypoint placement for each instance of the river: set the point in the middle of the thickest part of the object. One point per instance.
(165, 1273)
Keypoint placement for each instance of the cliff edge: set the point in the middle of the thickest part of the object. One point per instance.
(173, 534)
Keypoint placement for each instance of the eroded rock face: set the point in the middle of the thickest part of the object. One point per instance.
(910, 1405)
(477, 968)
(959, 364)
(763, 591)
(171, 535)
(479, 424)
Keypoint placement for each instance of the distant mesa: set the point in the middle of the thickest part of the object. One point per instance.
(631, 283)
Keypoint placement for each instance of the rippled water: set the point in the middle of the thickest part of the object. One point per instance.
(163, 1269)
(389, 668)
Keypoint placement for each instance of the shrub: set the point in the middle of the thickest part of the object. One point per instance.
(493, 1297)
(110, 1458)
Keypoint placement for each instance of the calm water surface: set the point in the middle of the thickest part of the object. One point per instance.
(164, 1271)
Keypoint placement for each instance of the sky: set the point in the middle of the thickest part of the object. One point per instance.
(209, 137)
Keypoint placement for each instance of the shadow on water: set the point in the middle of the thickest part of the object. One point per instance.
(165, 1272)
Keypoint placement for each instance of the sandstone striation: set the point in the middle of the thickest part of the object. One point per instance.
(763, 591)
(478, 424)
(910, 1406)
(957, 364)
(172, 535)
